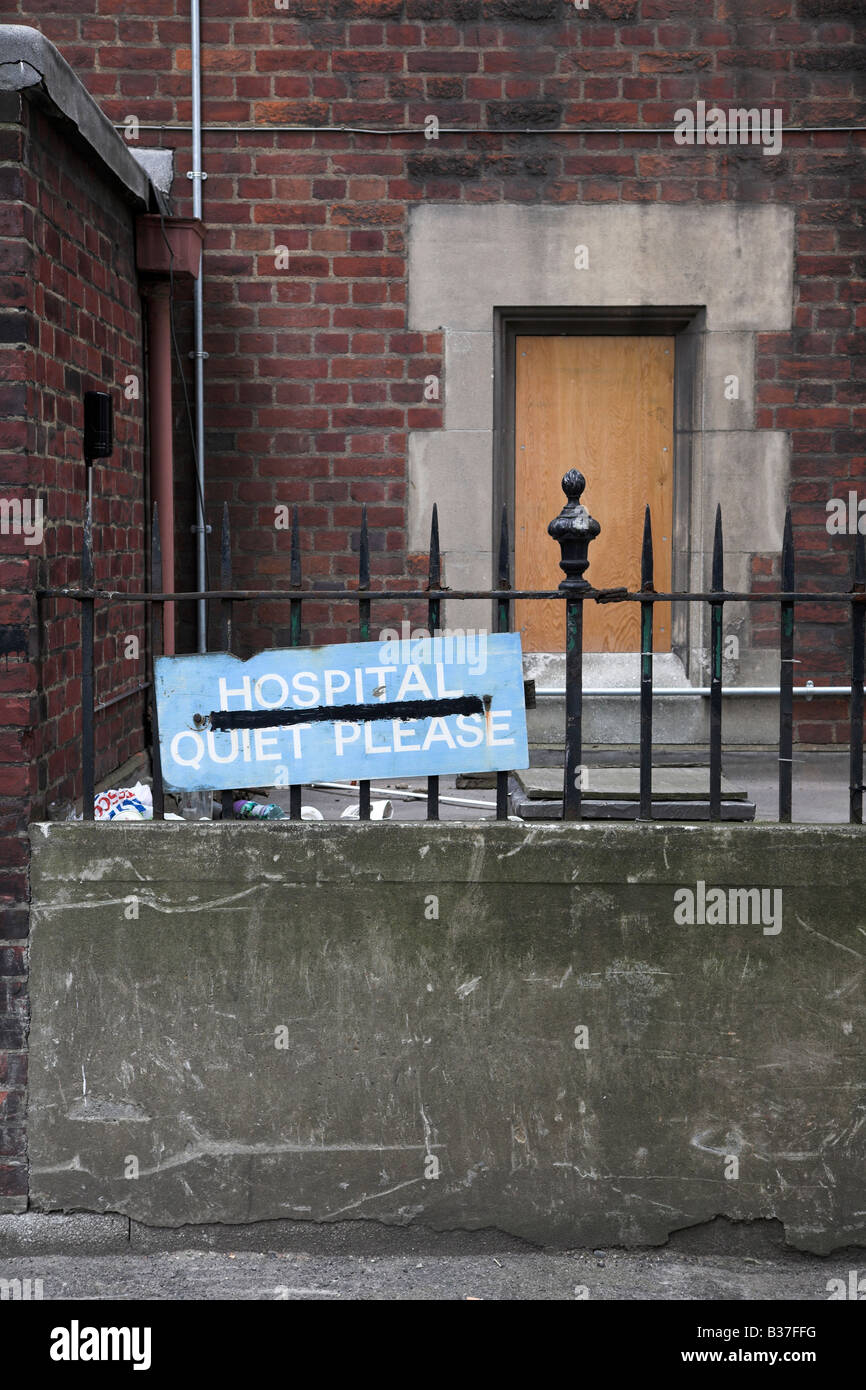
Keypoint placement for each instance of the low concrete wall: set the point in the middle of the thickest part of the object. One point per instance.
(384, 1022)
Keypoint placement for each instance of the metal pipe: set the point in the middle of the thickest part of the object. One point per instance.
(88, 765)
(572, 786)
(434, 579)
(555, 691)
(503, 617)
(161, 445)
(411, 796)
(716, 673)
(198, 313)
(252, 127)
(364, 631)
(124, 695)
(858, 672)
(647, 572)
(787, 661)
(155, 650)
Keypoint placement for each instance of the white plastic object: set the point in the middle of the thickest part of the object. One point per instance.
(379, 810)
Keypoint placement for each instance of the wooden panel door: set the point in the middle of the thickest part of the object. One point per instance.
(604, 406)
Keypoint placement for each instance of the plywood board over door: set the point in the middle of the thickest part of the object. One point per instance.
(603, 405)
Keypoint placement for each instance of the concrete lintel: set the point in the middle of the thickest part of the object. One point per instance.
(736, 260)
(30, 63)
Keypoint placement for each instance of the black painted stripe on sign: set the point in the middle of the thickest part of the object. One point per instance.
(223, 720)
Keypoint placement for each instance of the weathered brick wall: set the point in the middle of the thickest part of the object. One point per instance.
(71, 322)
(87, 335)
(312, 381)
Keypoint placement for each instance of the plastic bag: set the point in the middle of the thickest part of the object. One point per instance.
(124, 803)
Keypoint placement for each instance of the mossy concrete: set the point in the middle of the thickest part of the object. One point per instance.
(427, 985)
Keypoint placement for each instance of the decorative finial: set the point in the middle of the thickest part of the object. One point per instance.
(573, 484)
(574, 528)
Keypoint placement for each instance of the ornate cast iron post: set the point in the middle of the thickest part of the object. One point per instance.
(573, 529)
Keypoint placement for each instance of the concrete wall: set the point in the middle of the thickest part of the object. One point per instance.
(735, 261)
(428, 982)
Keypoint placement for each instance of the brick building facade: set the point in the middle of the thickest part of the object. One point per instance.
(316, 376)
(450, 156)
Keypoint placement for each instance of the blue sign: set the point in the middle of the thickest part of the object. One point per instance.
(416, 707)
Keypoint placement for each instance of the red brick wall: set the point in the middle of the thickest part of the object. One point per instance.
(90, 336)
(312, 381)
(72, 322)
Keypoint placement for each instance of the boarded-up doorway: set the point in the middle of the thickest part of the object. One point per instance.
(603, 405)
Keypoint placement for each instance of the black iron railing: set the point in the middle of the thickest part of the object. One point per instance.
(573, 529)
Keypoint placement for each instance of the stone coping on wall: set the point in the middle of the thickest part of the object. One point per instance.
(30, 63)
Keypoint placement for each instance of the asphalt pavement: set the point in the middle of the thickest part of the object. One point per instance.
(507, 1276)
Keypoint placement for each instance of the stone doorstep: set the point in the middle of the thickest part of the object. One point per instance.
(606, 809)
(673, 784)
(554, 759)
(476, 781)
(628, 754)
(613, 793)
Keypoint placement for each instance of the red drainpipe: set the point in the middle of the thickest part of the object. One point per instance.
(156, 262)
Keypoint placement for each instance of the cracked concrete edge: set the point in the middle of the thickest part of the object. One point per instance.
(359, 1237)
(87, 1233)
(84, 1233)
(80, 1233)
(29, 61)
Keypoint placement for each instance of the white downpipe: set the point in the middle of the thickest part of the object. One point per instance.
(198, 177)
(350, 789)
